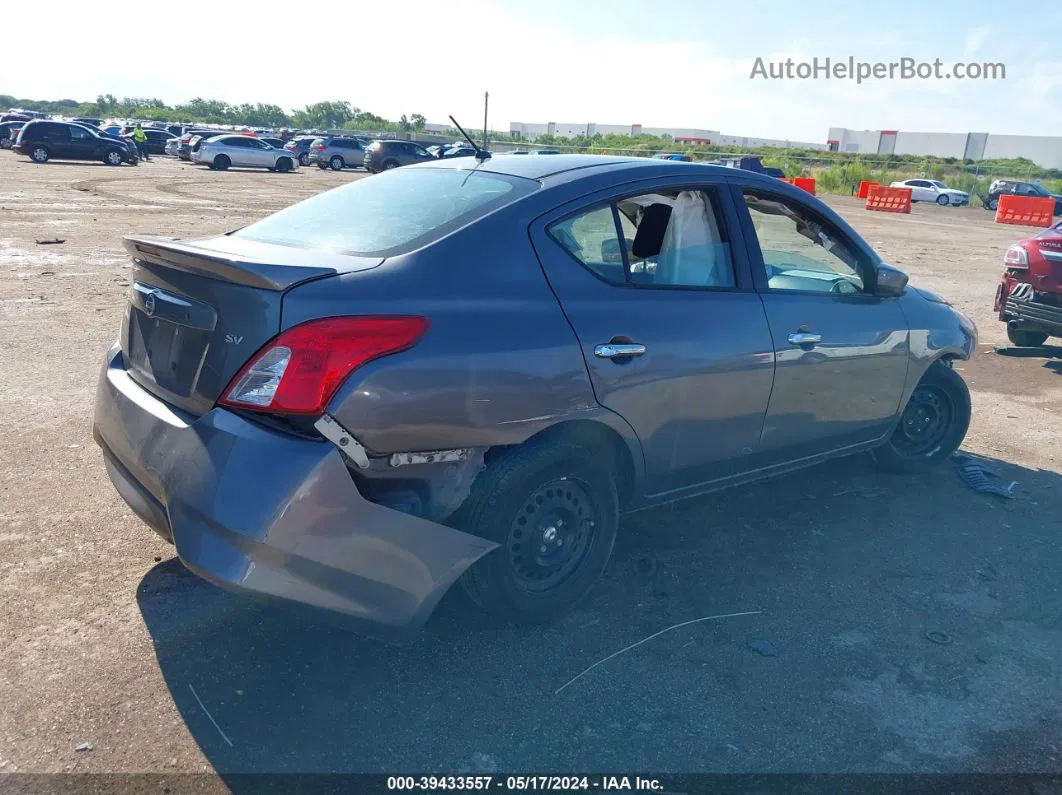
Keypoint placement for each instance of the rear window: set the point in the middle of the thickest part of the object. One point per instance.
(390, 213)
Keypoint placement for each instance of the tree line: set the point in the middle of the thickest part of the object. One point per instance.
(320, 115)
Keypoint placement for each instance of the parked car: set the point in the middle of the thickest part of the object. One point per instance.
(337, 152)
(42, 141)
(933, 190)
(667, 156)
(184, 149)
(156, 139)
(300, 148)
(385, 155)
(243, 151)
(444, 151)
(1002, 187)
(9, 132)
(1029, 296)
(171, 146)
(112, 129)
(89, 120)
(276, 143)
(352, 422)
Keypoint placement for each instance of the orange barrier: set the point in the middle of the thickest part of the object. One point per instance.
(1025, 210)
(888, 200)
(805, 183)
(864, 186)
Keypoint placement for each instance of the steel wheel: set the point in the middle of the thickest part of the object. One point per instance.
(113, 158)
(925, 422)
(39, 155)
(551, 536)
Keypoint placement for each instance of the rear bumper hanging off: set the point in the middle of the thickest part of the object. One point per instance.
(272, 515)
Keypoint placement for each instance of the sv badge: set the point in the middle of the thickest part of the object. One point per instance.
(234, 339)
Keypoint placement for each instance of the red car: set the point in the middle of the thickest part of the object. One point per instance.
(1029, 298)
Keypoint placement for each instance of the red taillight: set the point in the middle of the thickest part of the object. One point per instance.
(300, 370)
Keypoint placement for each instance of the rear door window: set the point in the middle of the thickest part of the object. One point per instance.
(674, 238)
(390, 214)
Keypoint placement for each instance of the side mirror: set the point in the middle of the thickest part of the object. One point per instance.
(889, 282)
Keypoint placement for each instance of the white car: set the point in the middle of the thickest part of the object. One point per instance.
(932, 190)
(171, 146)
(242, 151)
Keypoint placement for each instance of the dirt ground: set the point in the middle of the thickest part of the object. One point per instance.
(108, 641)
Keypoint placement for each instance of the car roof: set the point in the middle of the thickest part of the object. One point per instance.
(531, 167)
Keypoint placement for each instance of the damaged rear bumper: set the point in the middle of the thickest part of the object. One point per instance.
(270, 514)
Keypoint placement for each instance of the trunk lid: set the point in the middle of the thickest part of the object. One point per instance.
(198, 310)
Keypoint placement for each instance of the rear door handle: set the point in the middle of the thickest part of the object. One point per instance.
(614, 350)
(804, 338)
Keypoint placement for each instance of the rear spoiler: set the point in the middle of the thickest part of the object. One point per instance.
(222, 266)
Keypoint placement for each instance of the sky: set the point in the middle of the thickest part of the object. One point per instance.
(676, 64)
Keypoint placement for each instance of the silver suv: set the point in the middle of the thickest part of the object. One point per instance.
(337, 153)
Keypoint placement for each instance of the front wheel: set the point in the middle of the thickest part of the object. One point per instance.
(552, 508)
(284, 165)
(932, 426)
(992, 204)
(942, 201)
(1024, 338)
(113, 158)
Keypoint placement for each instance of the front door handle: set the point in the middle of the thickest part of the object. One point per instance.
(804, 338)
(615, 350)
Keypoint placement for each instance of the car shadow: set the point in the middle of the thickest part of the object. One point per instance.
(1052, 354)
(848, 572)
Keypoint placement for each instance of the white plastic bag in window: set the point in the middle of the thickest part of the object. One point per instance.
(693, 253)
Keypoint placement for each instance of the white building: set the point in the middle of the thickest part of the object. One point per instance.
(1045, 151)
(681, 135)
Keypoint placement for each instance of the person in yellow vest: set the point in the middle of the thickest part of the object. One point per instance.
(140, 137)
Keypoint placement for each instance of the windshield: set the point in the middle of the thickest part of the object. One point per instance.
(390, 213)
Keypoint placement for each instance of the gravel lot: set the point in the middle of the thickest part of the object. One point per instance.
(108, 641)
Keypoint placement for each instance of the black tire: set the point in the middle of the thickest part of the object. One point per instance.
(222, 162)
(942, 201)
(284, 165)
(933, 424)
(113, 158)
(336, 163)
(304, 159)
(992, 204)
(323, 166)
(521, 501)
(39, 154)
(1024, 338)
(389, 164)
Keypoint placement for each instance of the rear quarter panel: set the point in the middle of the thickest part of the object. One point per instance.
(498, 363)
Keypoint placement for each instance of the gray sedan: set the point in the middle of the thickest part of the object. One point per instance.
(466, 371)
(223, 151)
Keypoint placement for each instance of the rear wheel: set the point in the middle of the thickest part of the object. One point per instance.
(992, 204)
(389, 164)
(1024, 338)
(113, 158)
(222, 162)
(304, 159)
(553, 510)
(336, 163)
(942, 201)
(933, 423)
(39, 154)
